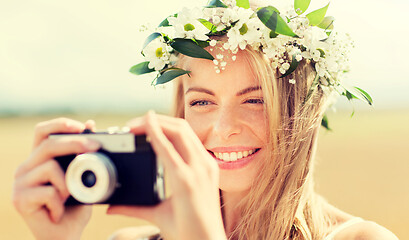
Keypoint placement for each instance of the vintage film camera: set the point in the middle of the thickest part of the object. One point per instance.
(124, 171)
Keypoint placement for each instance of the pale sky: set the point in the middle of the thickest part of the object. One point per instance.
(76, 54)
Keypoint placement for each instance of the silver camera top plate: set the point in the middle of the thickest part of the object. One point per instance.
(112, 142)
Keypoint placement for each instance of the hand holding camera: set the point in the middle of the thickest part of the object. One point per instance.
(97, 172)
(39, 190)
(193, 209)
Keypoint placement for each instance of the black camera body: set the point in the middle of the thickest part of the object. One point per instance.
(124, 171)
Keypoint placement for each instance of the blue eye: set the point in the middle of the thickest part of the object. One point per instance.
(200, 103)
(255, 101)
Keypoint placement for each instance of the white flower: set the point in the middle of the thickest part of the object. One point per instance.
(212, 42)
(292, 81)
(157, 54)
(216, 20)
(320, 68)
(316, 55)
(286, 66)
(298, 57)
(245, 32)
(220, 27)
(187, 26)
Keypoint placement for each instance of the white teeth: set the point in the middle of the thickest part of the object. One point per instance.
(233, 156)
(226, 157)
(245, 153)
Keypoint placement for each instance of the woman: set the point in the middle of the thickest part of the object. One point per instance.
(239, 155)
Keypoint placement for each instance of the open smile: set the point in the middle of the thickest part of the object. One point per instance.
(229, 160)
(234, 156)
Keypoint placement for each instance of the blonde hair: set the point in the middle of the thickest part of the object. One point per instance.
(284, 204)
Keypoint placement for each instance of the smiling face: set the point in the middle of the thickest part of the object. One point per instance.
(227, 113)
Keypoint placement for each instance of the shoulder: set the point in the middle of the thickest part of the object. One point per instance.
(363, 230)
(366, 230)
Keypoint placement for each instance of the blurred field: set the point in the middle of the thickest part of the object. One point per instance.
(362, 168)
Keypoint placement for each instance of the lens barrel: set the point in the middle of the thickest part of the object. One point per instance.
(91, 178)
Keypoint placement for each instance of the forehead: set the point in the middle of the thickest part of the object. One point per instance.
(237, 74)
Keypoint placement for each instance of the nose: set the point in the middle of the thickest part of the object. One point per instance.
(227, 123)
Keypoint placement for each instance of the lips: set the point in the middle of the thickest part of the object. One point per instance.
(233, 158)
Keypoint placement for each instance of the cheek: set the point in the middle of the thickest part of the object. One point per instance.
(256, 121)
(198, 122)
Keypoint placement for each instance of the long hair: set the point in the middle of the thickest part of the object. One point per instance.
(281, 203)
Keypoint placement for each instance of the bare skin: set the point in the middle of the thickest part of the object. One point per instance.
(223, 114)
(42, 206)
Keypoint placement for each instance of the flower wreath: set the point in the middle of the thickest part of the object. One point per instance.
(285, 37)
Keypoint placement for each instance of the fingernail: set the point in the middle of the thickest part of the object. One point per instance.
(90, 121)
(135, 122)
(152, 115)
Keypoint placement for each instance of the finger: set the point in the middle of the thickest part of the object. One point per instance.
(59, 125)
(91, 125)
(51, 148)
(48, 172)
(34, 199)
(161, 144)
(137, 125)
(179, 133)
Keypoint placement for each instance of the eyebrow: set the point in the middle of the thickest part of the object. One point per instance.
(207, 91)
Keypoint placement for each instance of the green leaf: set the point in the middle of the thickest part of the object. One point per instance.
(243, 4)
(150, 38)
(327, 23)
(322, 53)
(357, 93)
(190, 48)
(216, 3)
(165, 22)
(365, 95)
(141, 68)
(300, 6)
(317, 16)
(324, 122)
(202, 44)
(293, 65)
(349, 95)
(208, 25)
(270, 17)
(273, 34)
(170, 74)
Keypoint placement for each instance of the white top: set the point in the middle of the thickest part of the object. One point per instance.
(342, 227)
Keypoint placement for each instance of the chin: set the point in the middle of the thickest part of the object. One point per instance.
(240, 179)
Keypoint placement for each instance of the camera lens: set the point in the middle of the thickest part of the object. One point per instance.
(88, 178)
(91, 177)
